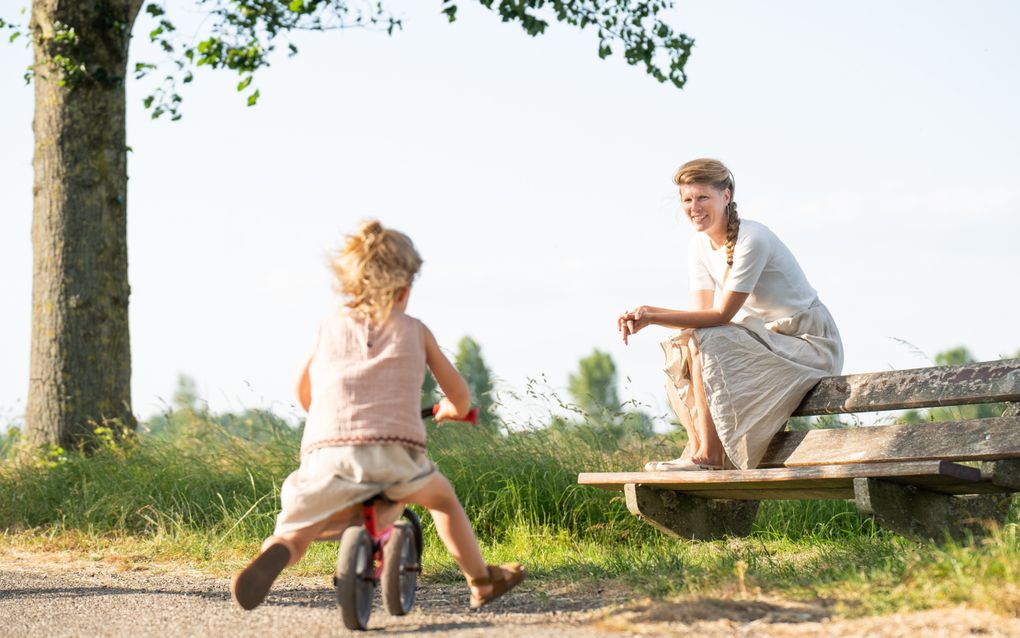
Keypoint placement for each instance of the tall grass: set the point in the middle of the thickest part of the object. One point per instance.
(207, 492)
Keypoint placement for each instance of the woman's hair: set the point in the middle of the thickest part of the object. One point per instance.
(715, 174)
(373, 265)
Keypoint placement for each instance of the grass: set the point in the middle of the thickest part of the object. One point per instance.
(206, 493)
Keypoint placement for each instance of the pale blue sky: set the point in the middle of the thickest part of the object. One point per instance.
(879, 140)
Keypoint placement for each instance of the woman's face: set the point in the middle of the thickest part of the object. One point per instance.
(705, 206)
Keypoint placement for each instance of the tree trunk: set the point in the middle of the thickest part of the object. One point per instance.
(80, 374)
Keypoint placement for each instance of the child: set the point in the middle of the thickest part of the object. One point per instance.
(364, 434)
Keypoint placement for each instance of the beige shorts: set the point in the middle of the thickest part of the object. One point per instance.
(332, 480)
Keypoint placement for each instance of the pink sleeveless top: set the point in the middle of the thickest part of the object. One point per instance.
(366, 384)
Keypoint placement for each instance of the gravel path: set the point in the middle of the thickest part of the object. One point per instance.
(79, 598)
(43, 597)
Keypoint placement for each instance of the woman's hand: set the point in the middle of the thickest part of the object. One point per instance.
(632, 321)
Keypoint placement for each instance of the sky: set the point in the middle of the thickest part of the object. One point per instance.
(879, 140)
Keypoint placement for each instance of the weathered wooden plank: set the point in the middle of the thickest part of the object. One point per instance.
(844, 490)
(832, 482)
(816, 476)
(987, 382)
(974, 440)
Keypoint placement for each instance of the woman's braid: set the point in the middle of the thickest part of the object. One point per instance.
(732, 230)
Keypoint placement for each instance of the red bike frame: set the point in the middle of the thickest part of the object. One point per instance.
(379, 537)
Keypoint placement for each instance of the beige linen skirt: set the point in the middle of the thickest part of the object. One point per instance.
(331, 481)
(755, 373)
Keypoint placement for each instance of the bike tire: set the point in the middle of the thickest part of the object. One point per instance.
(419, 542)
(400, 570)
(355, 585)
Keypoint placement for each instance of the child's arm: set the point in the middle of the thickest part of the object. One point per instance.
(457, 401)
(304, 386)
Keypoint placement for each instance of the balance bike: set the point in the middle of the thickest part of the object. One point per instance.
(369, 557)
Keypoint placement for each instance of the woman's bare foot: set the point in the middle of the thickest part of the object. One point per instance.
(709, 456)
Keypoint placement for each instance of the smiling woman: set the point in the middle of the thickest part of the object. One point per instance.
(733, 384)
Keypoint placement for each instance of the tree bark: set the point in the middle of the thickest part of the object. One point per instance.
(80, 374)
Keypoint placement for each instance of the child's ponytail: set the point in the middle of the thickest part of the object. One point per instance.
(373, 265)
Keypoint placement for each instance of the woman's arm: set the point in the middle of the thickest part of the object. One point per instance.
(644, 316)
(457, 401)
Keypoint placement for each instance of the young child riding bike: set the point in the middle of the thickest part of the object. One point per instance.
(364, 434)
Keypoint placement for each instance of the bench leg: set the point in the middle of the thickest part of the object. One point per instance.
(688, 516)
(1005, 473)
(923, 515)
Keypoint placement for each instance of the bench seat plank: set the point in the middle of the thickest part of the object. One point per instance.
(987, 382)
(973, 440)
(830, 482)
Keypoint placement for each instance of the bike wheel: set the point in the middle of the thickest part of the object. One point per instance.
(354, 577)
(400, 569)
(415, 522)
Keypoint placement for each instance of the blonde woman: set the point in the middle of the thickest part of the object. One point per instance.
(734, 381)
(364, 435)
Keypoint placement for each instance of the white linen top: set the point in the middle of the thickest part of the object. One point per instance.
(762, 266)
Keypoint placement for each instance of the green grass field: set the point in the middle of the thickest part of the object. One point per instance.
(203, 494)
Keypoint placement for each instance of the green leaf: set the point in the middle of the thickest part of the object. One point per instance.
(297, 6)
(243, 84)
(253, 98)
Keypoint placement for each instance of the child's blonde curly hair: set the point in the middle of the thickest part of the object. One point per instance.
(373, 265)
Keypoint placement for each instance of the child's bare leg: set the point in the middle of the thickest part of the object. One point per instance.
(250, 585)
(454, 528)
(299, 540)
(710, 451)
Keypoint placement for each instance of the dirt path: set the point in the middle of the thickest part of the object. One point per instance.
(40, 596)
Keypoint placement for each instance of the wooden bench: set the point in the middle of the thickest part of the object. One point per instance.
(908, 477)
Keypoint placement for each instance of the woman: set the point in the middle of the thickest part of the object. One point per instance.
(734, 384)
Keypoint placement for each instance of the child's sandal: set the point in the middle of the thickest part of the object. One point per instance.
(250, 586)
(503, 578)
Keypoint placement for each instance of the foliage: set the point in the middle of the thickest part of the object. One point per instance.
(594, 392)
(241, 36)
(429, 391)
(594, 385)
(472, 366)
(9, 441)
